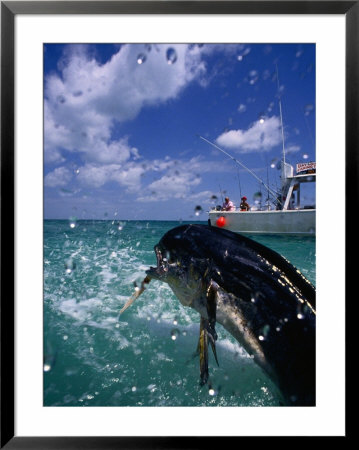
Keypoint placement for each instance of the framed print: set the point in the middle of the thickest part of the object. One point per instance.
(160, 155)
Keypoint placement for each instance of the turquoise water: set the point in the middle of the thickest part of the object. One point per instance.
(145, 358)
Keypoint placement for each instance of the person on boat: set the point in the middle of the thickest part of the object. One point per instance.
(244, 206)
(228, 205)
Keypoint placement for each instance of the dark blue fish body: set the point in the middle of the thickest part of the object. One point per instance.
(255, 293)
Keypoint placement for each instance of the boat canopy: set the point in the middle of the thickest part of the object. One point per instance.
(306, 178)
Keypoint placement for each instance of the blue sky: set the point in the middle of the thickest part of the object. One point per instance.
(122, 126)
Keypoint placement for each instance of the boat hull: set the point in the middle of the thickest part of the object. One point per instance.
(267, 222)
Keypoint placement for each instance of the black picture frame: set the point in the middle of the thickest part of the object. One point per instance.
(9, 9)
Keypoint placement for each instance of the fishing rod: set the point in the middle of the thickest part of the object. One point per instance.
(241, 164)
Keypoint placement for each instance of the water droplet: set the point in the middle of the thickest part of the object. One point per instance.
(134, 389)
(69, 265)
(198, 210)
(273, 163)
(212, 392)
(242, 108)
(308, 109)
(301, 311)
(175, 321)
(61, 99)
(253, 77)
(264, 333)
(171, 55)
(72, 222)
(174, 334)
(141, 58)
(47, 367)
(65, 338)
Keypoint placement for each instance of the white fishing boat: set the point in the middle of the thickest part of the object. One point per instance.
(289, 216)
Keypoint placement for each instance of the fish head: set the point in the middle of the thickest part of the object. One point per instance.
(181, 264)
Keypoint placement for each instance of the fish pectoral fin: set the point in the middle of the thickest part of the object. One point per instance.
(136, 294)
(203, 351)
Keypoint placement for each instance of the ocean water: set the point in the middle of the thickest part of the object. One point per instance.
(93, 357)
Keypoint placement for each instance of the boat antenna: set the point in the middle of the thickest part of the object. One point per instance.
(238, 162)
(280, 113)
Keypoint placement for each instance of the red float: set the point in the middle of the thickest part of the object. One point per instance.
(221, 221)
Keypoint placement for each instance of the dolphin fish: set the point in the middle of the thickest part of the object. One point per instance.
(253, 292)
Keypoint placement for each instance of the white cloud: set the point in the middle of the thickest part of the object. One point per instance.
(86, 101)
(58, 178)
(127, 175)
(82, 105)
(180, 177)
(175, 186)
(291, 148)
(259, 137)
